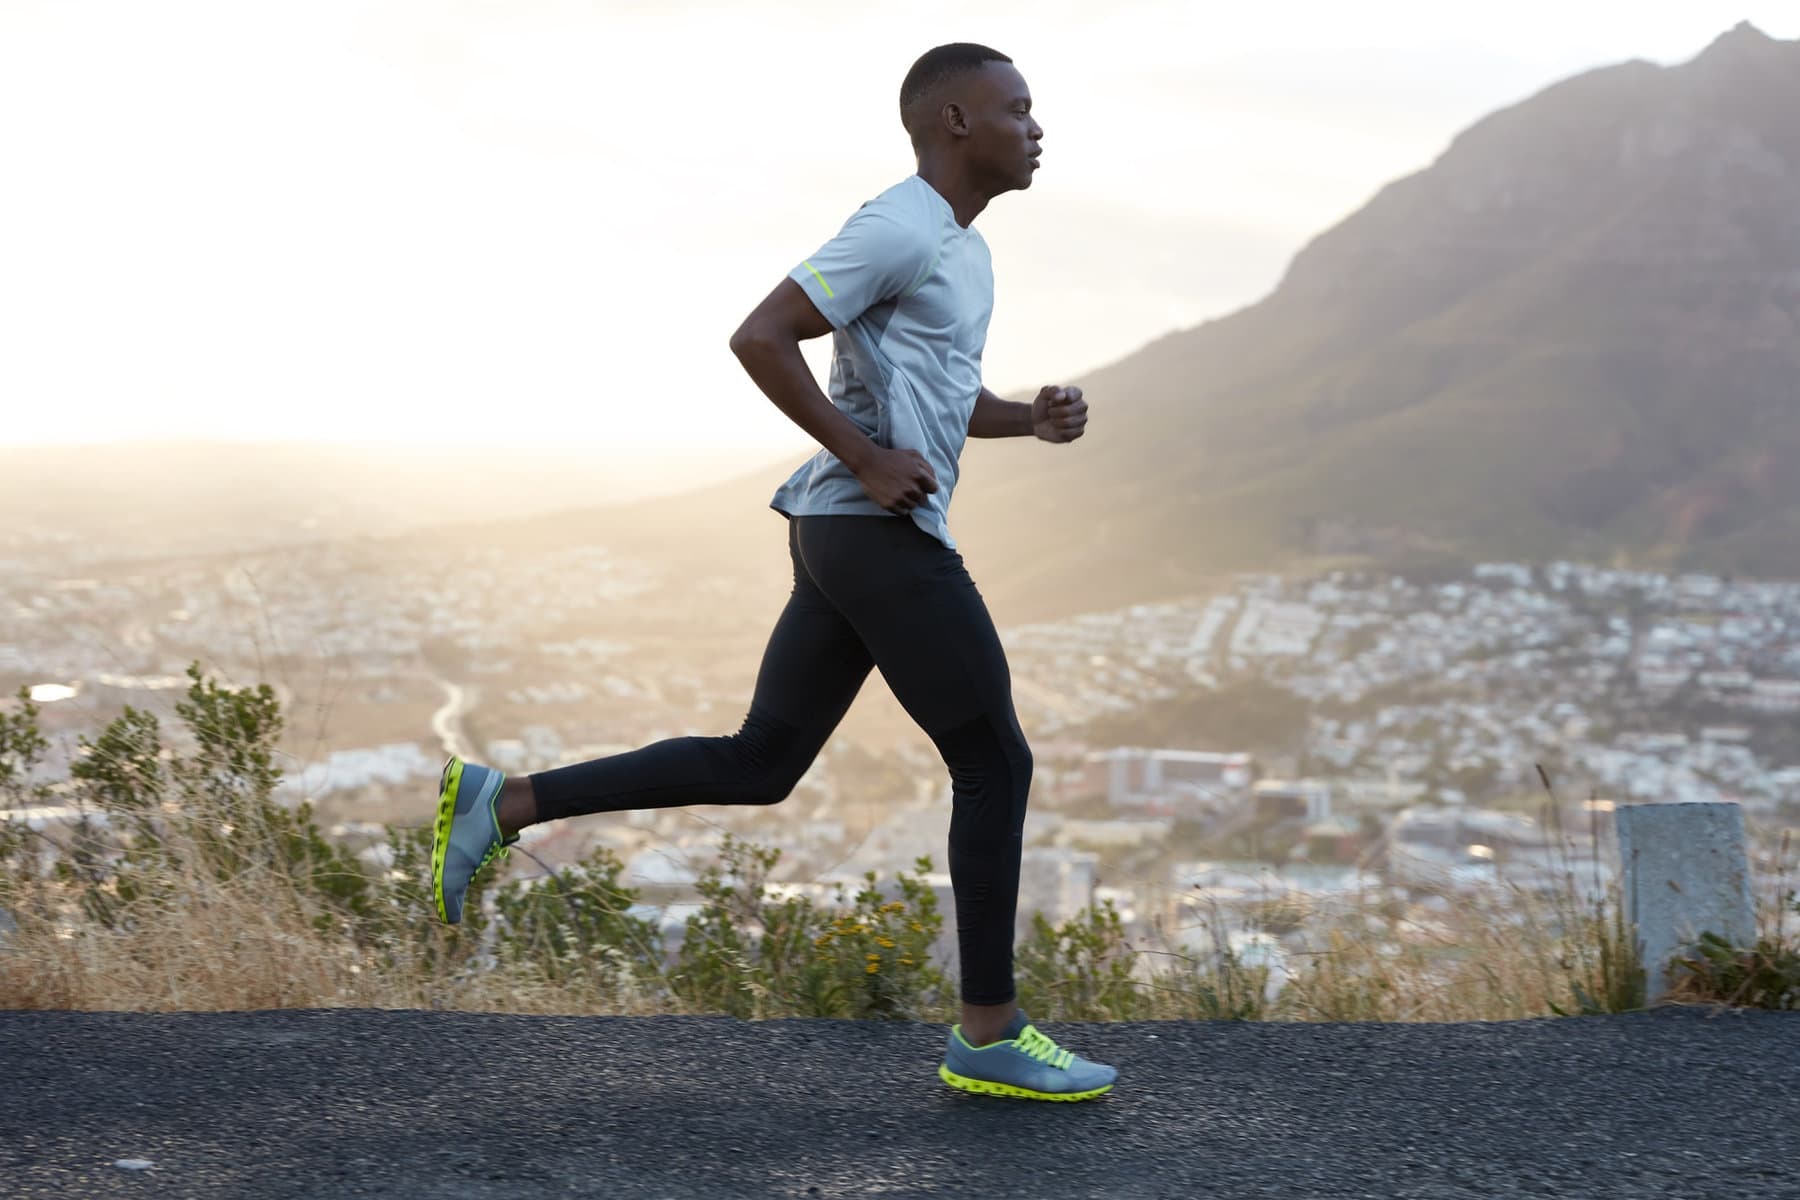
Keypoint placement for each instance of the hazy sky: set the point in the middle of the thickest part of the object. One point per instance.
(538, 221)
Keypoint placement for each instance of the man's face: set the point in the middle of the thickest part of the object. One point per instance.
(1003, 139)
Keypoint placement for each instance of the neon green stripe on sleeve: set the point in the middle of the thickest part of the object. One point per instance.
(821, 279)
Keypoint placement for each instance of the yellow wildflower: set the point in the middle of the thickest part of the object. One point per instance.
(874, 968)
(886, 943)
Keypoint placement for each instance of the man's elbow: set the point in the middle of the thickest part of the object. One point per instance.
(749, 339)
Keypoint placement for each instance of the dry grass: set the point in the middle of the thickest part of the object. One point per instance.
(255, 942)
(220, 947)
(1499, 955)
(268, 937)
(1495, 955)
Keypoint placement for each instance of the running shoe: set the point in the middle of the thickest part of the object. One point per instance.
(1025, 1064)
(466, 836)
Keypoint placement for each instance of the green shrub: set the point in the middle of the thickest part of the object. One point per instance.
(752, 952)
(874, 960)
(22, 747)
(574, 928)
(1081, 970)
(210, 815)
(1765, 975)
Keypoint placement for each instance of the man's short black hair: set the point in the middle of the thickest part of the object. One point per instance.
(938, 64)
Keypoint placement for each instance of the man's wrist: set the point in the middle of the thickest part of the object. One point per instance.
(858, 453)
(997, 418)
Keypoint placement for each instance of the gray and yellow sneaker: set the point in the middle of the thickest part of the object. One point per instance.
(1025, 1064)
(466, 836)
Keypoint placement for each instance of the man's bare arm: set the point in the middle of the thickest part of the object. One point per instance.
(1059, 414)
(768, 346)
(994, 417)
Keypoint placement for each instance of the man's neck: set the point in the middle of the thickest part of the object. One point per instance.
(965, 199)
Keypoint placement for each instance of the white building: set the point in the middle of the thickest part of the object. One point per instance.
(1169, 782)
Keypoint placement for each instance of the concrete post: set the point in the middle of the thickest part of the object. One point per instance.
(1683, 873)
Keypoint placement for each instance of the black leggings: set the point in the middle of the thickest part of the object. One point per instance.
(868, 591)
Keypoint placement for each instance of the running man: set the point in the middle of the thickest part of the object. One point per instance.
(905, 289)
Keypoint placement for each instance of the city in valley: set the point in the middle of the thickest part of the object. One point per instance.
(1321, 739)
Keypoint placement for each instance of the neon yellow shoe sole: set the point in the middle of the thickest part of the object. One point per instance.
(988, 1088)
(440, 830)
(465, 836)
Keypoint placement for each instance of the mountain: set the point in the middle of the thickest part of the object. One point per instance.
(1576, 333)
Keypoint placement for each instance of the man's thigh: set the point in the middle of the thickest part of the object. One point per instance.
(814, 663)
(914, 606)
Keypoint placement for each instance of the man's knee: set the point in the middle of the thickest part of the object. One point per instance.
(990, 771)
(773, 757)
(982, 749)
(771, 787)
(1020, 756)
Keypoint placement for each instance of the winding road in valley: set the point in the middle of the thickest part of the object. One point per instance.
(447, 721)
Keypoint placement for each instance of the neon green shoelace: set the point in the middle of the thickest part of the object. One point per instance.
(500, 847)
(1042, 1048)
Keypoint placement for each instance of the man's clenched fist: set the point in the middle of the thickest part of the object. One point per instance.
(898, 480)
(1059, 414)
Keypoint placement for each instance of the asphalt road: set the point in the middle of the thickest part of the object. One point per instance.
(361, 1103)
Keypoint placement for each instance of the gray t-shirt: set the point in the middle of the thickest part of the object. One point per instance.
(908, 293)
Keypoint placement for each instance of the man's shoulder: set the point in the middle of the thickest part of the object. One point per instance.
(910, 202)
(903, 191)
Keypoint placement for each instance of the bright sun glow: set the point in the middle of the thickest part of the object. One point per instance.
(539, 222)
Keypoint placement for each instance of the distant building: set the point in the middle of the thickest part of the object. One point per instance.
(1460, 828)
(1698, 587)
(1516, 574)
(1725, 681)
(1177, 783)
(1657, 678)
(1307, 800)
(1391, 792)
(1129, 831)
(1775, 695)
(1276, 629)
(395, 764)
(1055, 882)
(1462, 847)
